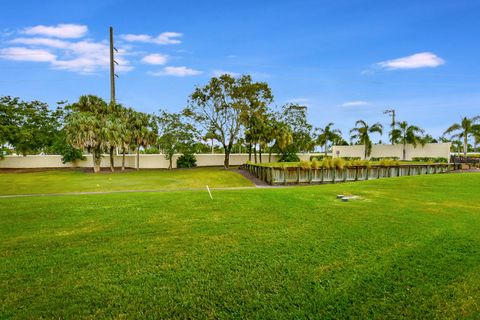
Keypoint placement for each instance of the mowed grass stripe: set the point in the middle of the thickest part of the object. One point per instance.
(409, 249)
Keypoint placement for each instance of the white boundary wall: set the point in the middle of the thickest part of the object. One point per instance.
(429, 150)
(147, 161)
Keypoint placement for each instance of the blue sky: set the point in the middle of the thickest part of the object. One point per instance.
(345, 60)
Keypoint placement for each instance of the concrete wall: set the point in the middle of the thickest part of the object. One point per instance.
(147, 161)
(430, 150)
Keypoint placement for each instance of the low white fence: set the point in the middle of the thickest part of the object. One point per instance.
(147, 161)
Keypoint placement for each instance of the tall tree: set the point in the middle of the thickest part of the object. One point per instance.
(295, 117)
(144, 132)
(28, 126)
(464, 130)
(254, 98)
(7, 118)
(362, 132)
(279, 136)
(176, 135)
(405, 133)
(218, 106)
(327, 134)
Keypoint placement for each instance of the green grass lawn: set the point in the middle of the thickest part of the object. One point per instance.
(409, 249)
(62, 181)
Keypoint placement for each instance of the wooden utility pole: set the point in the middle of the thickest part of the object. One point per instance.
(112, 68)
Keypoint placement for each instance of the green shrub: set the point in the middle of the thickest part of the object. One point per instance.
(384, 158)
(186, 161)
(473, 155)
(430, 159)
(70, 154)
(389, 163)
(315, 164)
(319, 157)
(65, 149)
(339, 163)
(351, 158)
(360, 163)
(327, 163)
(304, 164)
(151, 150)
(289, 157)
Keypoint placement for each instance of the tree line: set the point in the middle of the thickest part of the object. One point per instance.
(235, 112)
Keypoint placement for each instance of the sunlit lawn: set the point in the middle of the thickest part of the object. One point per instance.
(61, 181)
(409, 249)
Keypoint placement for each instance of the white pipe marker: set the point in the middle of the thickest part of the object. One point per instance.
(208, 189)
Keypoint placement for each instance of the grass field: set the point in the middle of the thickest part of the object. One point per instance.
(62, 181)
(409, 249)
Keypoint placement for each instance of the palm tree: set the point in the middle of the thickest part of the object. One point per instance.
(83, 131)
(476, 140)
(328, 134)
(114, 131)
(278, 134)
(84, 126)
(111, 133)
(362, 132)
(466, 128)
(405, 133)
(427, 139)
(212, 136)
(144, 132)
(125, 127)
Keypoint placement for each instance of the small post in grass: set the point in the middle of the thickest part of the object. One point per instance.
(208, 189)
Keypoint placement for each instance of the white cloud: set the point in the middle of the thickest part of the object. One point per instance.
(48, 42)
(59, 31)
(27, 54)
(176, 72)
(162, 38)
(90, 57)
(418, 60)
(136, 37)
(355, 103)
(168, 38)
(155, 58)
(62, 48)
(82, 56)
(219, 72)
